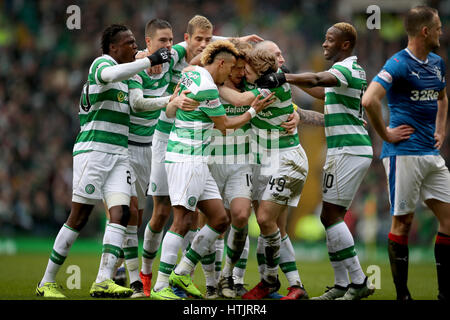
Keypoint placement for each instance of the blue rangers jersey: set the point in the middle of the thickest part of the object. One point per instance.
(412, 87)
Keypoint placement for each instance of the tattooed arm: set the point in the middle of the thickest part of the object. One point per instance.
(312, 118)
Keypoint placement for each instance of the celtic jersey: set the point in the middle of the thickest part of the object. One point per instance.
(234, 147)
(343, 112)
(266, 125)
(104, 112)
(191, 133)
(177, 63)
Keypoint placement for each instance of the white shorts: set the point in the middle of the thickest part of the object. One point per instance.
(233, 181)
(411, 178)
(189, 183)
(96, 174)
(140, 162)
(342, 176)
(158, 176)
(285, 183)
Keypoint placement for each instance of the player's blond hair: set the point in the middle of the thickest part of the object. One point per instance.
(348, 32)
(243, 47)
(262, 61)
(219, 48)
(198, 22)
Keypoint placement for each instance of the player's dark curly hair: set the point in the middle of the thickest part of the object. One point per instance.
(110, 35)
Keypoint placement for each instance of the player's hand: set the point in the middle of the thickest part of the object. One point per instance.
(400, 133)
(155, 69)
(184, 103)
(160, 56)
(259, 104)
(141, 54)
(188, 68)
(292, 122)
(439, 138)
(251, 38)
(271, 80)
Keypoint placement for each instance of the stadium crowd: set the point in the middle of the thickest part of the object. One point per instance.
(43, 65)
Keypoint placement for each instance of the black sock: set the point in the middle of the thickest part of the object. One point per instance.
(399, 257)
(442, 256)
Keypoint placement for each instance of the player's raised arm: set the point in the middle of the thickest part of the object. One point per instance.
(371, 101)
(140, 104)
(124, 71)
(441, 119)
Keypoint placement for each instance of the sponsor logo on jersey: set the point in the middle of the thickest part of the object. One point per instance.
(415, 74)
(213, 103)
(235, 110)
(386, 76)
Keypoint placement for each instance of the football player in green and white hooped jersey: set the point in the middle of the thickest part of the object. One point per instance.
(100, 155)
(349, 152)
(231, 169)
(190, 181)
(147, 95)
(283, 168)
(199, 34)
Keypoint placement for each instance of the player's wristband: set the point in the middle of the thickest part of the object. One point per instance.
(252, 112)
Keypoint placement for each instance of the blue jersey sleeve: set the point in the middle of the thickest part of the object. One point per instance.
(392, 70)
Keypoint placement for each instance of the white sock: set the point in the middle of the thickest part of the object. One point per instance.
(235, 245)
(169, 255)
(204, 239)
(63, 242)
(341, 250)
(187, 242)
(272, 244)
(208, 266)
(112, 245)
(152, 241)
(130, 249)
(220, 246)
(239, 268)
(260, 256)
(287, 262)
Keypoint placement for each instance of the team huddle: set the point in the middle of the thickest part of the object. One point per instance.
(208, 128)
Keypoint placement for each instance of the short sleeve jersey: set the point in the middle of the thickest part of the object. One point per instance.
(190, 135)
(412, 87)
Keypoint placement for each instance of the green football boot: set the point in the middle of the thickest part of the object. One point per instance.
(184, 282)
(164, 294)
(50, 290)
(109, 289)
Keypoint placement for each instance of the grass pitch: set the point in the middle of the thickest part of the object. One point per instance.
(20, 273)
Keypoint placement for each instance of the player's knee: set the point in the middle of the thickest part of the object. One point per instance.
(222, 223)
(240, 218)
(265, 221)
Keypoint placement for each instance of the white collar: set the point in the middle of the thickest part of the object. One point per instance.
(415, 58)
(111, 58)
